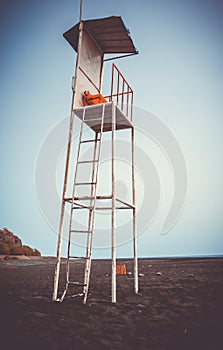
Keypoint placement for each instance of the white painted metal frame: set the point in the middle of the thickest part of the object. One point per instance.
(114, 121)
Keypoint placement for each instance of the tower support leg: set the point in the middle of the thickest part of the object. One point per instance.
(60, 235)
(136, 281)
(113, 223)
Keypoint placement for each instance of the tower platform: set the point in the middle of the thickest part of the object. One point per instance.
(93, 117)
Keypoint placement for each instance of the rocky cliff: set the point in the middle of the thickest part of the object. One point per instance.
(10, 244)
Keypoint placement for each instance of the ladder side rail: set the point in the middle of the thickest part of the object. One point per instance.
(61, 224)
(71, 209)
(88, 261)
(92, 197)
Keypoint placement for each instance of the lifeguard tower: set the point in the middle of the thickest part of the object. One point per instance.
(92, 40)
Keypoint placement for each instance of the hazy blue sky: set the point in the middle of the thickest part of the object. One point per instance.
(178, 76)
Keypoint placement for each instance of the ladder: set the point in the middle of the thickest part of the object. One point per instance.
(91, 207)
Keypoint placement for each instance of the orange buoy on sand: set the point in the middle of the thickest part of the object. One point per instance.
(120, 269)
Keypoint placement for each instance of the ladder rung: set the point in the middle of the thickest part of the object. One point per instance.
(86, 141)
(85, 183)
(78, 257)
(78, 283)
(69, 199)
(77, 295)
(87, 161)
(81, 231)
(92, 197)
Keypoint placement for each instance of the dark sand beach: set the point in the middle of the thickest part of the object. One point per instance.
(180, 306)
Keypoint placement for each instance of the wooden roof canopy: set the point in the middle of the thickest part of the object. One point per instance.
(110, 34)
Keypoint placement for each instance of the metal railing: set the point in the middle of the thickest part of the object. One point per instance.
(121, 92)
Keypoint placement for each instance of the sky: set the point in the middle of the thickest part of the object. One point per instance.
(178, 83)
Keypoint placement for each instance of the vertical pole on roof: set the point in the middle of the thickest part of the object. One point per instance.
(136, 283)
(81, 10)
(113, 207)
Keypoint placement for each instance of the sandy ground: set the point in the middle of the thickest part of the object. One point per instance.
(180, 306)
